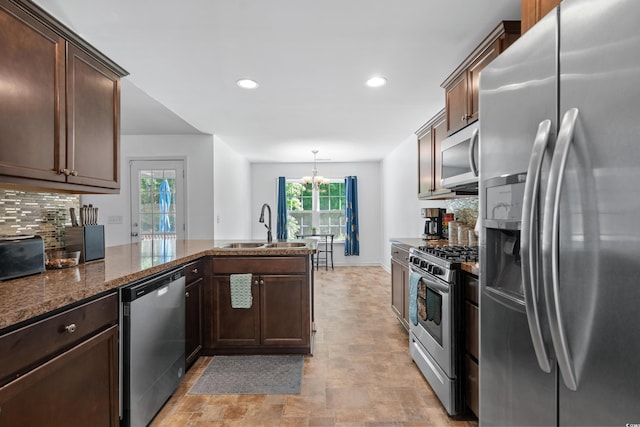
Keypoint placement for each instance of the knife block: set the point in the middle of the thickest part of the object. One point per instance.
(88, 239)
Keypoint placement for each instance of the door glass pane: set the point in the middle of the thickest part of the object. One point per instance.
(158, 215)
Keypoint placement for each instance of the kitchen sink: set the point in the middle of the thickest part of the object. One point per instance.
(245, 245)
(286, 245)
(261, 245)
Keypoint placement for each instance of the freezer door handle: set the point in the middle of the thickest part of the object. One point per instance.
(529, 243)
(472, 147)
(550, 247)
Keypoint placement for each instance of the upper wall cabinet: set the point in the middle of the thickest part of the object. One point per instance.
(429, 138)
(59, 106)
(534, 10)
(461, 87)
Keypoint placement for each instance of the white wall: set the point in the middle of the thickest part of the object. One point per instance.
(264, 190)
(197, 150)
(232, 182)
(400, 204)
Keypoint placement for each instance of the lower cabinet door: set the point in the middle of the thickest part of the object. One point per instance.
(193, 321)
(284, 311)
(77, 388)
(233, 327)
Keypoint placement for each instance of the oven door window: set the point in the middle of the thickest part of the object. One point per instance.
(430, 310)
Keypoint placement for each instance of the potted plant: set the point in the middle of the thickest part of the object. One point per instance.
(313, 231)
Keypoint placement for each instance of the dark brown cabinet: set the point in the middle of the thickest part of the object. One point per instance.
(62, 370)
(400, 282)
(461, 87)
(534, 10)
(471, 358)
(233, 327)
(279, 319)
(32, 110)
(194, 276)
(93, 114)
(430, 137)
(59, 119)
(284, 310)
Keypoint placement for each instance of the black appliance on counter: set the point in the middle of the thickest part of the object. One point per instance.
(435, 333)
(433, 223)
(20, 256)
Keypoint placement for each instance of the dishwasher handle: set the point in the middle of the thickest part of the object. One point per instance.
(138, 289)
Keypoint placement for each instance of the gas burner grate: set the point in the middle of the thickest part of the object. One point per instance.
(452, 253)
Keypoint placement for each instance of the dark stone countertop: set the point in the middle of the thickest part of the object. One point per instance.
(28, 297)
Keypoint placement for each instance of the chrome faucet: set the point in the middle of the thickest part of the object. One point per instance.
(269, 236)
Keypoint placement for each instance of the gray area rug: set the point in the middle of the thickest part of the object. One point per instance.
(251, 375)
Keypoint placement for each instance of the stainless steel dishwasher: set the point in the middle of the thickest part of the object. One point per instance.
(152, 344)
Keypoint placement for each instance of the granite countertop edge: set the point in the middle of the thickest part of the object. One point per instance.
(25, 299)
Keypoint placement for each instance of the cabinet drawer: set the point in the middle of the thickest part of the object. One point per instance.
(21, 349)
(193, 271)
(257, 265)
(471, 391)
(400, 254)
(471, 323)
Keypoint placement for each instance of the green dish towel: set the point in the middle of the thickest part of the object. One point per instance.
(241, 291)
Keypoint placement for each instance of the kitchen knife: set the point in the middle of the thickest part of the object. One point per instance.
(74, 220)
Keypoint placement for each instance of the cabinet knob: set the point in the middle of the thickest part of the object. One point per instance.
(194, 271)
(70, 328)
(186, 294)
(65, 172)
(74, 173)
(255, 282)
(261, 282)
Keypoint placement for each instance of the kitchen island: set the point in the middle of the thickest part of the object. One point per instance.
(59, 328)
(25, 299)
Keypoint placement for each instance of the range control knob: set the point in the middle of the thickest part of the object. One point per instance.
(423, 264)
(436, 270)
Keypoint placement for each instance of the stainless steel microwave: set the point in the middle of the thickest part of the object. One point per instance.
(458, 165)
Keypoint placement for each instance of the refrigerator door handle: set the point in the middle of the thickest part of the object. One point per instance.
(529, 243)
(550, 247)
(472, 147)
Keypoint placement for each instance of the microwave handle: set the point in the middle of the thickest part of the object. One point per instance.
(472, 147)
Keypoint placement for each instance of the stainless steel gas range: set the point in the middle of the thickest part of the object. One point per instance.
(436, 319)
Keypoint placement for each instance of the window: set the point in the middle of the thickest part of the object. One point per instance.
(322, 209)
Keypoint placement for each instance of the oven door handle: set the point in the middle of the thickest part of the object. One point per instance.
(435, 285)
(529, 244)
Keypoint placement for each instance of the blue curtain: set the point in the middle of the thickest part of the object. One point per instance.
(352, 240)
(281, 230)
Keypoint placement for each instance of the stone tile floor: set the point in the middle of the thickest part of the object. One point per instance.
(359, 375)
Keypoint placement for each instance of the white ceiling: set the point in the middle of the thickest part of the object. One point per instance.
(310, 57)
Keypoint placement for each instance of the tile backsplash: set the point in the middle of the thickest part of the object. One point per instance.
(465, 210)
(44, 214)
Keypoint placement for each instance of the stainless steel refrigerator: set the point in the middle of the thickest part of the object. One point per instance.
(560, 215)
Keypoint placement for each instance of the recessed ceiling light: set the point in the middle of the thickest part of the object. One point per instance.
(247, 84)
(376, 82)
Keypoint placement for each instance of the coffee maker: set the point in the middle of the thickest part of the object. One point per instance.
(433, 223)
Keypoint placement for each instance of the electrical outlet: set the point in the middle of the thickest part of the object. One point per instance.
(114, 219)
(217, 219)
